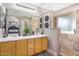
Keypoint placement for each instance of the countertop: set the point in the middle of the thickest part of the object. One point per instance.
(20, 38)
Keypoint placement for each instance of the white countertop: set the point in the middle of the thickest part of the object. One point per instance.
(20, 38)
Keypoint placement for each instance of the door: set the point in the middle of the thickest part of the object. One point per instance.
(45, 43)
(21, 47)
(7, 48)
(30, 47)
(38, 45)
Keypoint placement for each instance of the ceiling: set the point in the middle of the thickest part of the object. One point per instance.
(53, 6)
(41, 7)
(14, 10)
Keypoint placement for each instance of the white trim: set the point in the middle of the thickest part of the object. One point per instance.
(67, 32)
(62, 54)
(52, 52)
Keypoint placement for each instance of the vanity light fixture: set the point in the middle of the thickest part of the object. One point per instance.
(25, 5)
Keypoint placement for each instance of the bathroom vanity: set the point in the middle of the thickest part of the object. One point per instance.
(23, 45)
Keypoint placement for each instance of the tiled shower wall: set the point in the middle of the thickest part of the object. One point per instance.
(69, 43)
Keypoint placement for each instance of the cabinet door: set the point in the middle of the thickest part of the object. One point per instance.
(45, 43)
(21, 48)
(7, 48)
(31, 47)
(0, 48)
(38, 45)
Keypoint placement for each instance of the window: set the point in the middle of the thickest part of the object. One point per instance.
(66, 24)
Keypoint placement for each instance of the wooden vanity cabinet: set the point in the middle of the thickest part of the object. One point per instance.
(24, 47)
(30, 47)
(7, 48)
(21, 47)
(38, 45)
